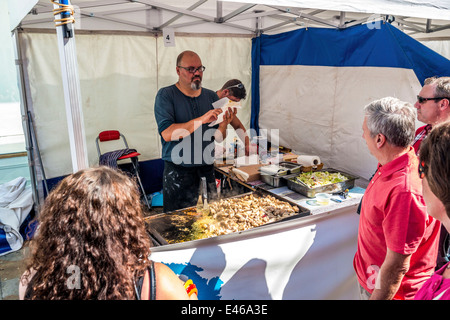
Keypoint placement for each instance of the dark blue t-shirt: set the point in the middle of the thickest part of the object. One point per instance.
(173, 106)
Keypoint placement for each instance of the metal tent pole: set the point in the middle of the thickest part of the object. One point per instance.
(33, 138)
(26, 124)
(71, 85)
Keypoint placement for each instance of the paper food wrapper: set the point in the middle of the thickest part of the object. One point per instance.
(244, 175)
(224, 104)
(270, 169)
(248, 173)
(308, 161)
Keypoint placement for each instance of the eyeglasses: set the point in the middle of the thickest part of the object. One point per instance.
(422, 99)
(422, 169)
(193, 69)
(239, 86)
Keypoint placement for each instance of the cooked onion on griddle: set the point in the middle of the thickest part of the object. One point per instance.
(238, 214)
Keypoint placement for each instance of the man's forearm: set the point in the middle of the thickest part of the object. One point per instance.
(221, 132)
(391, 274)
(178, 131)
(388, 285)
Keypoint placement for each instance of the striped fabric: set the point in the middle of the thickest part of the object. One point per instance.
(110, 158)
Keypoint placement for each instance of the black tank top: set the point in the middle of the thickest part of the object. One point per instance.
(137, 285)
(140, 280)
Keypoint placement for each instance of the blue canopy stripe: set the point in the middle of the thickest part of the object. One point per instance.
(359, 46)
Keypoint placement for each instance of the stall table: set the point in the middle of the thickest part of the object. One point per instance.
(337, 202)
(309, 257)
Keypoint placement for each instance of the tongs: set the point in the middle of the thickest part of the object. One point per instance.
(301, 182)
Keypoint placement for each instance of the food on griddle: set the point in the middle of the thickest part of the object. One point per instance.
(237, 214)
(319, 178)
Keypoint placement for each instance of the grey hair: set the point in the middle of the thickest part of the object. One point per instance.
(393, 118)
(441, 86)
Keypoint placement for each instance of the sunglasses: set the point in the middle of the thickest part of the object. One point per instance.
(193, 69)
(422, 169)
(239, 86)
(422, 99)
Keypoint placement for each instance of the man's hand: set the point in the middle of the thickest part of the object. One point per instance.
(229, 115)
(178, 131)
(221, 132)
(210, 116)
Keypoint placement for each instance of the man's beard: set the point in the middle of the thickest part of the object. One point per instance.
(196, 84)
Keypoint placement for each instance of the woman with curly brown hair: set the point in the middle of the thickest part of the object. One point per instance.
(92, 244)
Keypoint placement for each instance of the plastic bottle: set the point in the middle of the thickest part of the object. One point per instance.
(253, 147)
(262, 148)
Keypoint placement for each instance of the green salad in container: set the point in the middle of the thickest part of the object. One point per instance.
(319, 178)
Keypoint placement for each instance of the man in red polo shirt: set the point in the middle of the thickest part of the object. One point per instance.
(433, 106)
(397, 239)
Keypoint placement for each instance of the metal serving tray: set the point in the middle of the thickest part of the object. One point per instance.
(329, 188)
(273, 180)
(285, 168)
(165, 228)
(292, 167)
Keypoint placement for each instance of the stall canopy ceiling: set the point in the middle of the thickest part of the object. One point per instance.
(429, 9)
(420, 18)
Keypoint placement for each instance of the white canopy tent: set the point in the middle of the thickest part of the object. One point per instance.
(435, 9)
(246, 17)
(220, 31)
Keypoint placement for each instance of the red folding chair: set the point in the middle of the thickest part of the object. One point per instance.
(112, 157)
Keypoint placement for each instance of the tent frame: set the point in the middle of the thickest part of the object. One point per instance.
(289, 17)
(263, 19)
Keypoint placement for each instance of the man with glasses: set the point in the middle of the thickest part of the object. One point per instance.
(234, 90)
(397, 239)
(433, 106)
(183, 112)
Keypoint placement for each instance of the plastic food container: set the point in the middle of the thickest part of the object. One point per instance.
(323, 198)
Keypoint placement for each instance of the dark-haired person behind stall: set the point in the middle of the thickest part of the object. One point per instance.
(234, 90)
(92, 244)
(434, 169)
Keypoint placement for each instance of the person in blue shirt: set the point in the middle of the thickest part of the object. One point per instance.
(184, 113)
